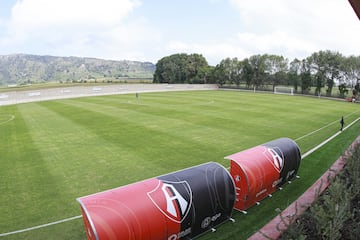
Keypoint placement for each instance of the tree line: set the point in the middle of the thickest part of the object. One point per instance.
(324, 69)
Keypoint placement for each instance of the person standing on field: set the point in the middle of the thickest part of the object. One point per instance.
(342, 122)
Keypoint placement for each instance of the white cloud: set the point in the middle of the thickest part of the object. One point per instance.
(293, 29)
(245, 44)
(50, 20)
(36, 14)
(276, 42)
(115, 29)
(214, 52)
(94, 28)
(299, 26)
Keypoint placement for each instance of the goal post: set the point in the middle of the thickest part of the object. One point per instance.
(284, 90)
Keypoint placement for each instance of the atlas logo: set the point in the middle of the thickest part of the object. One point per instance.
(276, 159)
(173, 199)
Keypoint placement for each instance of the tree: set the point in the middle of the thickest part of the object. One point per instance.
(237, 69)
(195, 68)
(226, 66)
(247, 72)
(333, 63)
(305, 77)
(315, 63)
(343, 90)
(232, 70)
(167, 70)
(181, 68)
(277, 67)
(258, 66)
(218, 75)
(351, 73)
(325, 65)
(294, 73)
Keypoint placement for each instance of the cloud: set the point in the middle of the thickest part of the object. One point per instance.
(276, 42)
(213, 51)
(122, 29)
(301, 26)
(246, 44)
(28, 15)
(293, 29)
(97, 28)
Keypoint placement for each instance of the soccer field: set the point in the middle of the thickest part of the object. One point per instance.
(53, 152)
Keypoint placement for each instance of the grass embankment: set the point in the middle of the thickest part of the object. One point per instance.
(55, 151)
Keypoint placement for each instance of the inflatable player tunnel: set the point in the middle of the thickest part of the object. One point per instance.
(259, 171)
(179, 205)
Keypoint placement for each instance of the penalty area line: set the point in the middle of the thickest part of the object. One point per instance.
(40, 226)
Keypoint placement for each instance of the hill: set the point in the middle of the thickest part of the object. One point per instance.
(24, 68)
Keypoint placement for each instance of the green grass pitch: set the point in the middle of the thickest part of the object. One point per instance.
(52, 152)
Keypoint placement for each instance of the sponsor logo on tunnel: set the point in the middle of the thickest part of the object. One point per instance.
(275, 158)
(173, 199)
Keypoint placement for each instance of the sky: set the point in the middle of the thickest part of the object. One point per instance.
(148, 30)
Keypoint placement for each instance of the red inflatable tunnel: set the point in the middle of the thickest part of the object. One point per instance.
(259, 171)
(179, 205)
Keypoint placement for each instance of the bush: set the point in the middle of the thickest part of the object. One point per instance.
(336, 213)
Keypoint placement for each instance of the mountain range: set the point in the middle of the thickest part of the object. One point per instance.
(17, 69)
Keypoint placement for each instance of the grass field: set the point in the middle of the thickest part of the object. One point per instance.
(55, 151)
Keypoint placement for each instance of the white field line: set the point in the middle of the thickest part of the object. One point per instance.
(40, 226)
(328, 140)
(308, 134)
(11, 117)
(79, 216)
